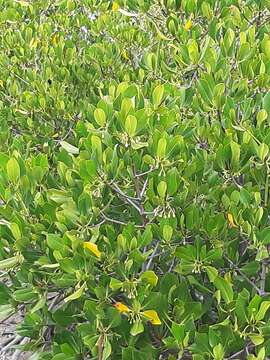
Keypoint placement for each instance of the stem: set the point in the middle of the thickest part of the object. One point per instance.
(259, 291)
(158, 53)
(266, 191)
(148, 264)
(138, 193)
(263, 276)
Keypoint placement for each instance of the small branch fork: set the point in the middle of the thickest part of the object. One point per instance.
(260, 291)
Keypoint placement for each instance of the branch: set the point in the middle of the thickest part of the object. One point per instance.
(143, 188)
(112, 220)
(241, 352)
(259, 291)
(263, 276)
(147, 265)
(152, 168)
(126, 198)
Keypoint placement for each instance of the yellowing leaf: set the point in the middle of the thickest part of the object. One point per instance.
(93, 248)
(115, 6)
(231, 220)
(188, 25)
(152, 316)
(122, 308)
(33, 43)
(23, 3)
(54, 39)
(125, 55)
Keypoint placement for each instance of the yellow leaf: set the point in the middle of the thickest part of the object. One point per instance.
(23, 3)
(230, 220)
(54, 39)
(33, 43)
(125, 55)
(152, 316)
(93, 248)
(228, 131)
(188, 25)
(115, 6)
(122, 308)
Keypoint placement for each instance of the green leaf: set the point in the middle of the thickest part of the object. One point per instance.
(161, 148)
(162, 188)
(257, 339)
(261, 116)
(39, 305)
(225, 289)
(178, 331)
(172, 180)
(107, 350)
(100, 117)
(69, 148)
(262, 310)
(97, 147)
(115, 284)
(266, 103)
(13, 170)
(10, 262)
(55, 242)
(157, 95)
(235, 148)
(131, 125)
(150, 277)
(77, 294)
(25, 295)
(16, 232)
(211, 272)
(137, 328)
(167, 232)
(262, 151)
(218, 352)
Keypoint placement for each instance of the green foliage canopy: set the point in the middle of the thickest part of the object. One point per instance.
(134, 177)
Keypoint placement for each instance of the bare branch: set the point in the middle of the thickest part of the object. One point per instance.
(143, 188)
(150, 260)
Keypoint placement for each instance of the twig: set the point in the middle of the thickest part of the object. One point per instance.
(148, 264)
(112, 220)
(143, 188)
(120, 192)
(171, 266)
(236, 354)
(55, 301)
(126, 198)
(121, 222)
(243, 351)
(152, 168)
(263, 277)
(259, 291)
